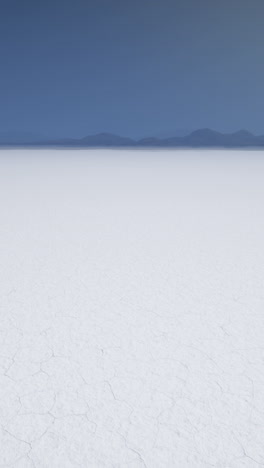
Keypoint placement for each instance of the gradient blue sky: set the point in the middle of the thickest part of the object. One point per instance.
(137, 67)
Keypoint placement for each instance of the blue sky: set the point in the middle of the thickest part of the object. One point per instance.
(137, 68)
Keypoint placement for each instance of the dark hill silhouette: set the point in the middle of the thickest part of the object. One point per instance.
(151, 141)
(106, 139)
(201, 138)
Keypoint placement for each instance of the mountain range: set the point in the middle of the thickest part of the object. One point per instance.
(197, 139)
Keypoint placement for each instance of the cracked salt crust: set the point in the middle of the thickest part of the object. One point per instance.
(131, 309)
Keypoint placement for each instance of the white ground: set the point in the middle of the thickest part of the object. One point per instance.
(132, 309)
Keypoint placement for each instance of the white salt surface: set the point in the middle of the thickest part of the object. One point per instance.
(132, 309)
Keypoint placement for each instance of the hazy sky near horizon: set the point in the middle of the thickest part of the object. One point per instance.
(141, 67)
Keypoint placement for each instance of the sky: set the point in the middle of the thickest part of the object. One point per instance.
(136, 68)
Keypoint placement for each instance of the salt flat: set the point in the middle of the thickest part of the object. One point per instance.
(131, 309)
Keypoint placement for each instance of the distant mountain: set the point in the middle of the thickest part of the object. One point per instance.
(151, 141)
(211, 138)
(202, 138)
(176, 132)
(106, 139)
(198, 138)
(98, 140)
(243, 137)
